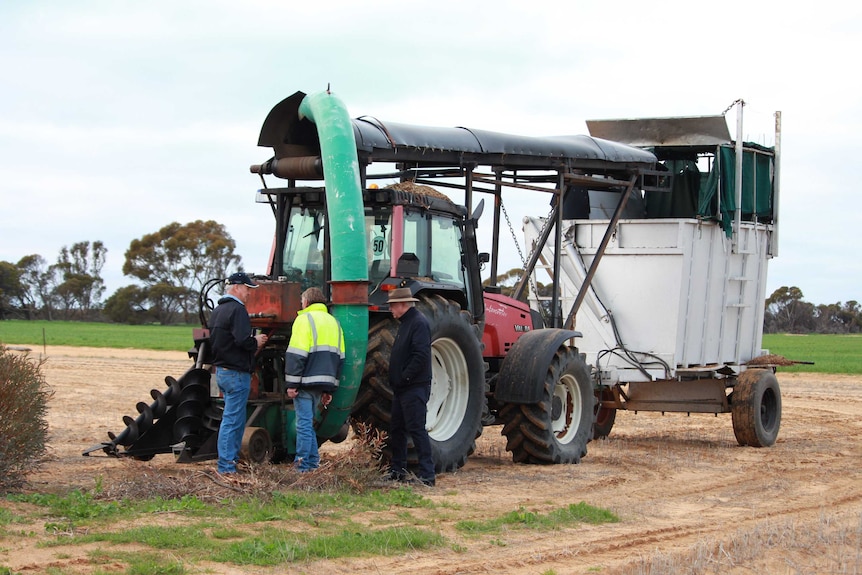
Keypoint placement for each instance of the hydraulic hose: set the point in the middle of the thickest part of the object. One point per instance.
(347, 246)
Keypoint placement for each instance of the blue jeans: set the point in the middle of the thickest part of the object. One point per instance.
(305, 403)
(235, 386)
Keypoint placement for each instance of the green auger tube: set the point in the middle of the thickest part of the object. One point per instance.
(347, 243)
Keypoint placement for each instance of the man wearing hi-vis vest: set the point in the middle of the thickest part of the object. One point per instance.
(312, 367)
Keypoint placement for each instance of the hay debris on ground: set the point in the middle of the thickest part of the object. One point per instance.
(356, 470)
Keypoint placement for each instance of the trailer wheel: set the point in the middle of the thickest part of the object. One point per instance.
(756, 408)
(605, 416)
(457, 384)
(256, 445)
(558, 427)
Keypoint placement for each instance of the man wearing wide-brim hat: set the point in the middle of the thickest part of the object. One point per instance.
(410, 379)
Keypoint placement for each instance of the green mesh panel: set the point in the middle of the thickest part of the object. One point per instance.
(757, 174)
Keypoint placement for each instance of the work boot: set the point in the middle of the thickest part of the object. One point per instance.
(394, 476)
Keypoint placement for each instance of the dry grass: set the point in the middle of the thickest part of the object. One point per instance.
(421, 189)
(770, 359)
(24, 396)
(355, 470)
(831, 544)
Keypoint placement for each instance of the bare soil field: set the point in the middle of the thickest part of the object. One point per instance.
(689, 498)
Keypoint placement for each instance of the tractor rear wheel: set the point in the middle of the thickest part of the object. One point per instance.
(558, 427)
(457, 383)
(756, 408)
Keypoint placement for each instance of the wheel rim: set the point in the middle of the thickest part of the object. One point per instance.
(566, 412)
(450, 389)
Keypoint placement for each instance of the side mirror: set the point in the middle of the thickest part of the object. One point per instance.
(477, 213)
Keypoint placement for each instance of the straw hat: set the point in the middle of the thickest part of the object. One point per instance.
(400, 294)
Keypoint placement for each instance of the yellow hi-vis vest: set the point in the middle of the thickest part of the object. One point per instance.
(315, 354)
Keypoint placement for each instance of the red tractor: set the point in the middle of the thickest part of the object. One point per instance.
(360, 213)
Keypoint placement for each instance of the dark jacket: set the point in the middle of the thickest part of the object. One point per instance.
(410, 361)
(231, 338)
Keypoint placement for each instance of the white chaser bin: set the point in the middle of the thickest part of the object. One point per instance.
(667, 286)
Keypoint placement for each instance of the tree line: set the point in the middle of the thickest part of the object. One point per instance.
(170, 266)
(787, 312)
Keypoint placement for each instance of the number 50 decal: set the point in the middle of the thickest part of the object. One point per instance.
(378, 243)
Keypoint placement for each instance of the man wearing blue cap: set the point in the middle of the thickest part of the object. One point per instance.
(234, 346)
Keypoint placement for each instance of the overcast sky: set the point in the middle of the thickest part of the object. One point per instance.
(117, 118)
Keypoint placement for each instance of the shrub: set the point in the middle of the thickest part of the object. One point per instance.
(24, 396)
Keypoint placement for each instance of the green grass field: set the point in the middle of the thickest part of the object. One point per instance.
(830, 353)
(86, 334)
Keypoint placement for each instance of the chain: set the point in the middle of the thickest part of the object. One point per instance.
(514, 237)
(518, 245)
(732, 104)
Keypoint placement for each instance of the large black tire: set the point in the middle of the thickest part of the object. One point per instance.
(558, 427)
(457, 386)
(756, 408)
(605, 416)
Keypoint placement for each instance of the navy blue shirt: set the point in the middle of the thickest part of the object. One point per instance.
(231, 337)
(410, 361)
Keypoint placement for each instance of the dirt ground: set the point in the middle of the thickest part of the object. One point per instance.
(690, 500)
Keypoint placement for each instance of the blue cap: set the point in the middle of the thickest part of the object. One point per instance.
(241, 278)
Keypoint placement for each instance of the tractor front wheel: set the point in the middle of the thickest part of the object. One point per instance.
(558, 427)
(454, 413)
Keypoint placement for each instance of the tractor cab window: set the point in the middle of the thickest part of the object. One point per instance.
(303, 247)
(416, 240)
(446, 256)
(378, 232)
(436, 241)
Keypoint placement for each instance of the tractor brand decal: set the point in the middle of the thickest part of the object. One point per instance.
(519, 327)
(495, 309)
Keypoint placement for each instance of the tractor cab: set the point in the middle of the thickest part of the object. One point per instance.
(414, 236)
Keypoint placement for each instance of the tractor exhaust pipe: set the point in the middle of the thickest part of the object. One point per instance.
(298, 168)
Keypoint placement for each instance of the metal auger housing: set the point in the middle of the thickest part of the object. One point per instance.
(173, 422)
